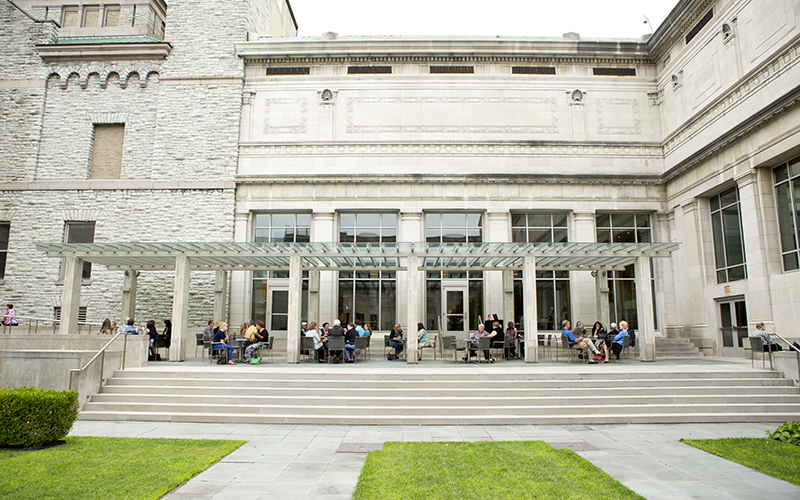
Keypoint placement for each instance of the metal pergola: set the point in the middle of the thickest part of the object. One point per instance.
(410, 257)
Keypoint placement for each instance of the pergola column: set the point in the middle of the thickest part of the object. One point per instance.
(129, 294)
(180, 308)
(220, 295)
(412, 308)
(529, 309)
(508, 297)
(293, 326)
(644, 310)
(71, 295)
(601, 291)
(313, 296)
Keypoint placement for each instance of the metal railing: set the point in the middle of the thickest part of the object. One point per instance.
(792, 347)
(34, 327)
(102, 355)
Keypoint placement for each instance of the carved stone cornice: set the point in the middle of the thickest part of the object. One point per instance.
(463, 179)
(677, 24)
(650, 150)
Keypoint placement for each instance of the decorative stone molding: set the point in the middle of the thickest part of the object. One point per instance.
(107, 118)
(7, 215)
(662, 44)
(81, 215)
(603, 128)
(101, 75)
(771, 69)
(300, 110)
(540, 148)
(576, 96)
(551, 128)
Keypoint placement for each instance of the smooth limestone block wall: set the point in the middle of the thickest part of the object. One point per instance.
(119, 216)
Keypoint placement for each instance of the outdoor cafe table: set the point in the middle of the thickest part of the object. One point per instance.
(467, 343)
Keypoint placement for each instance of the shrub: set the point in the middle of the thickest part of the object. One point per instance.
(31, 417)
(788, 433)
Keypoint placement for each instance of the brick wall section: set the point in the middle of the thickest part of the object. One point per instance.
(107, 151)
(258, 17)
(157, 215)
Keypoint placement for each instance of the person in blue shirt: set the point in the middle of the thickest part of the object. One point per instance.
(219, 342)
(616, 344)
(579, 342)
(360, 329)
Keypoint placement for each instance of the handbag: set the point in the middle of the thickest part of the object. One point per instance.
(257, 361)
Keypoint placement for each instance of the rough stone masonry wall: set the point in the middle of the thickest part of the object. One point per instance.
(119, 216)
(21, 92)
(114, 93)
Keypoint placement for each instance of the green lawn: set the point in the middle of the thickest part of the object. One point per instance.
(487, 469)
(777, 459)
(107, 468)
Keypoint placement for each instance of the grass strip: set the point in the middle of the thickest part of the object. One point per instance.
(485, 469)
(775, 458)
(107, 468)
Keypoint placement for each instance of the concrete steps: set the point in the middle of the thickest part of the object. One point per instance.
(676, 348)
(444, 397)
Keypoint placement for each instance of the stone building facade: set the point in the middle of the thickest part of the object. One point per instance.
(234, 130)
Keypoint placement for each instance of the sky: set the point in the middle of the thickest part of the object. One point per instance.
(506, 18)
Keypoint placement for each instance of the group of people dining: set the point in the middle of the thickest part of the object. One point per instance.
(254, 333)
(596, 349)
(321, 338)
(149, 328)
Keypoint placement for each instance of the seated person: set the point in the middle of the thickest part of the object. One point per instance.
(252, 333)
(396, 340)
(262, 337)
(219, 342)
(616, 344)
(599, 331)
(760, 331)
(319, 347)
(150, 331)
(580, 342)
(511, 333)
(335, 331)
(482, 333)
(422, 340)
(350, 342)
(129, 329)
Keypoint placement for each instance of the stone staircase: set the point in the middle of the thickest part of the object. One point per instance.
(676, 348)
(444, 397)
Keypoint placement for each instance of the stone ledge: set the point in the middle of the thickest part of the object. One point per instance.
(113, 185)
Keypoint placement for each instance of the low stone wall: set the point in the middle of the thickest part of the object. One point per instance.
(45, 360)
(786, 362)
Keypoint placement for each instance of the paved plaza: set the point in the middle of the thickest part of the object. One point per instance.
(323, 462)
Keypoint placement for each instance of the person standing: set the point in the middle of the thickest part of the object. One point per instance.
(11, 316)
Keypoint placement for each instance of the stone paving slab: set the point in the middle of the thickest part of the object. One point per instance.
(290, 462)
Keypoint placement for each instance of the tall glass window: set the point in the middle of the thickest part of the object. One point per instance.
(282, 227)
(726, 223)
(624, 228)
(552, 287)
(368, 228)
(278, 228)
(453, 227)
(368, 296)
(787, 201)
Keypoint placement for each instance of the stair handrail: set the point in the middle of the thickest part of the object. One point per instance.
(102, 354)
(793, 348)
(34, 322)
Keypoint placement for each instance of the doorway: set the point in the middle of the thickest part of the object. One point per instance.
(455, 311)
(733, 326)
(278, 309)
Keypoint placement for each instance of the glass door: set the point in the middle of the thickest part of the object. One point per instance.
(455, 320)
(278, 309)
(733, 327)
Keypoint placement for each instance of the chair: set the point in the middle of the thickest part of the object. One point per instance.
(267, 346)
(484, 344)
(433, 347)
(200, 343)
(306, 347)
(757, 345)
(565, 347)
(335, 344)
(626, 344)
(361, 344)
(386, 345)
(449, 345)
(212, 351)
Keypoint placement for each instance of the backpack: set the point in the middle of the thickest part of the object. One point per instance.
(222, 361)
(391, 356)
(632, 335)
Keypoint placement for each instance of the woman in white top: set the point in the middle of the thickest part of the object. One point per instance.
(760, 331)
(318, 345)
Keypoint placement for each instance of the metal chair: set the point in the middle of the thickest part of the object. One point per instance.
(433, 347)
(484, 345)
(267, 346)
(448, 344)
(757, 345)
(335, 344)
(565, 347)
(369, 341)
(200, 343)
(361, 346)
(306, 347)
(626, 345)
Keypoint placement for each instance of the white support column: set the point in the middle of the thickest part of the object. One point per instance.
(584, 303)
(313, 296)
(71, 295)
(295, 291)
(412, 309)
(180, 309)
(508, 297)
(601, 292)
(529, 309)
(129, 295)
(221, 296)
(644, 310)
